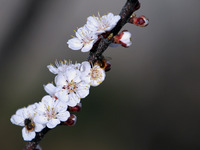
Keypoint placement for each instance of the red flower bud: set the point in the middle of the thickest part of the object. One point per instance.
(124, 38)
(141, 21)
(71, 120)
(76, 108)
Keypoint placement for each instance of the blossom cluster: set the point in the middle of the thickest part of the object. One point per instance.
(72, 83)
(93, 30)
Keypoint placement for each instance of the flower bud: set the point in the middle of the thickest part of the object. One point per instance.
(71, 120)
(141, 21)
(76, 108)
(124, 38)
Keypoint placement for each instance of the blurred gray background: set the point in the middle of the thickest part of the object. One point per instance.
(150, 99)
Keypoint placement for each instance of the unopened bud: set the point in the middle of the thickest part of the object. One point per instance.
(76, 108)
(71, 120)
(141, 21)
(124, 38)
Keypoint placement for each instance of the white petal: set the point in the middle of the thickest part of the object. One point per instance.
(83, 93)
(26, 113)
(50, 89)
(61, 106)
(87, 47)
(53, 123)
(83, 89)
(20, 111)
(40, 119)
(62, 95)
(86, 79)
(83, 85)
(92, 21)
(95, 82)
(91, 27)
(41, 108)
(39, 127)
(17, 120)
(52, 69)
(77, 79)
(79, 33)
(60, 80)
(32, 107)
(63, 116)
(73, 100)
(48, 101)
(70, 74)
(75, 44)
(28, 136)
(85, 67)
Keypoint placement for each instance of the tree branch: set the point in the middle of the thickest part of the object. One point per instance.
(96, 54)
(101, 45)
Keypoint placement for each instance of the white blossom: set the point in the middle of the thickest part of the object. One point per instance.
(93, 75)
(84, 40)
(50, 89)
(51, 112)
(70, 88)
(102, 24)
(25, 117)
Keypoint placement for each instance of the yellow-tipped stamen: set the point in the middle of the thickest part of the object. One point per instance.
(110, 36)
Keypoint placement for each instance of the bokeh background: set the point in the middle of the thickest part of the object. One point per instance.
(150, 99)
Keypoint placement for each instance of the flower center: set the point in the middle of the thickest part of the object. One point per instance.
(95, 73)
(51, 113)
(86, 37)
(29, 124)
(71, 86)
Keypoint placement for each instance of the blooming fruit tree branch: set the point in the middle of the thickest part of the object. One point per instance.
(73, 81)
